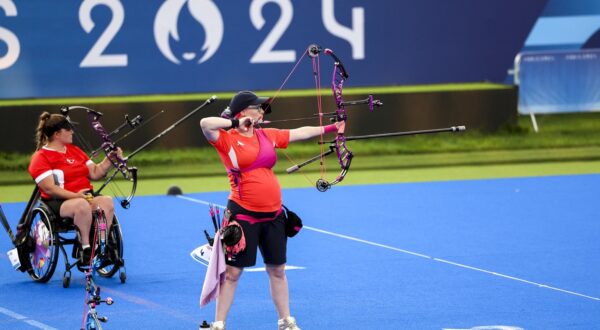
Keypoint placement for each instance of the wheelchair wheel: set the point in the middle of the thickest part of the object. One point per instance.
(44, 257)
(115, 244)
(92, 322)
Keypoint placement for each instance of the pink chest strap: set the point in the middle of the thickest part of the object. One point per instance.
(266, 158)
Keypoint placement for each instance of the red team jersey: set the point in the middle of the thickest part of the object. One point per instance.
(68, 168)
(261, 189)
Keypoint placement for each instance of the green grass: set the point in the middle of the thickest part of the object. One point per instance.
(159, 186)
(557, 132)
(566, 144)
(228, 95)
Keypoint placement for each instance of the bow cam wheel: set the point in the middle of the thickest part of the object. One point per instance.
(323, 185)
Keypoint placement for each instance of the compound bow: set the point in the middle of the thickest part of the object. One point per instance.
(110, 147)
(337, 146)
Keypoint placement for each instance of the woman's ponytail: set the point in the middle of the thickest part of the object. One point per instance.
(40, 138)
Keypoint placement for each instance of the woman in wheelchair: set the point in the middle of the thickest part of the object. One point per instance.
(63, 172)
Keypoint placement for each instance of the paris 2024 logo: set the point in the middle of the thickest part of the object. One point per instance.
(205, 12)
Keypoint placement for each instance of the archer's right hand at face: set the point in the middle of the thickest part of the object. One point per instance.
(246, 123)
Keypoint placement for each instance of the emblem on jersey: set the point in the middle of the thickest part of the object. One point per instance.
(70, 161)
(239, 143)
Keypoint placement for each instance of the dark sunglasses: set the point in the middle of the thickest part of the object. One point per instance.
(256, 107)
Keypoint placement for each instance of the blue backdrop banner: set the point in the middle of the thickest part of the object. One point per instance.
(118, 47)
(559, 81)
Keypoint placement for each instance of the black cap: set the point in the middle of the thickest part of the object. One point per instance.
(55, 123)
(244, 99)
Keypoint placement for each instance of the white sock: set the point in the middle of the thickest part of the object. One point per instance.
(87, 246)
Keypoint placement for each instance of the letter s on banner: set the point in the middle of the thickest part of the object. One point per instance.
(11, 40)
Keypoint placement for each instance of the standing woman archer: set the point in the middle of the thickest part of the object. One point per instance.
(63, 171)
(255, 203)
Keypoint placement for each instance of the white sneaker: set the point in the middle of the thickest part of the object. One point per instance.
(217, 325)
(288, 323)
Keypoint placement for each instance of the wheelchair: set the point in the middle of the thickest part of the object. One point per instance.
(49, 233)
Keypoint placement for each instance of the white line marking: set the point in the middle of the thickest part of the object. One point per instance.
(488, 327)
(12, 314)
(39, 325)
(517, 279)
(540, 285)
(25, 319)
(263, 269)
(194, 200)
(367, 242)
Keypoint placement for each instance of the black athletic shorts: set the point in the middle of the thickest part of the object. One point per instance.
(54, 205)
(269, 236)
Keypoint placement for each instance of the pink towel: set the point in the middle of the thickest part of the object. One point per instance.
(215, 273)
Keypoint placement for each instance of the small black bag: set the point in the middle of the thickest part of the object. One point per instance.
(293, 223)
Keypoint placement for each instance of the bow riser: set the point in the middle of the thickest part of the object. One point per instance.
(343, 153)
(111, 151)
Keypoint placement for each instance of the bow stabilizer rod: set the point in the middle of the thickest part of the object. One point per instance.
(296, 167)
(453, 129)
(168, 129)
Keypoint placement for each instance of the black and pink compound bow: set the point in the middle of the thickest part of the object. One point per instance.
(337, 146)
(110, 147)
